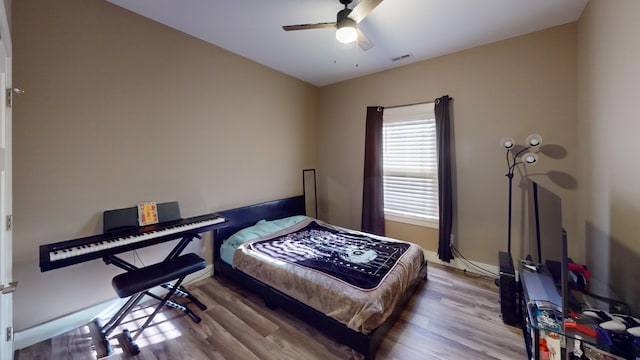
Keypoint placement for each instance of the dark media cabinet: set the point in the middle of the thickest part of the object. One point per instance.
(509, 291)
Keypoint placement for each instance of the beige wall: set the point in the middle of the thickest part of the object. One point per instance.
(608, 127)
(515, 87)
(100, 79)
(119, 109)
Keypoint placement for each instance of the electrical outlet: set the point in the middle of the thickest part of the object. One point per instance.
(451, 238)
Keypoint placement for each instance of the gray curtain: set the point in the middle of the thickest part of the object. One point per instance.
(372, 187)
(445, 183)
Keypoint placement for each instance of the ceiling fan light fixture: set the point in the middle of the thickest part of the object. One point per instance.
(346, 35)
(346, 32)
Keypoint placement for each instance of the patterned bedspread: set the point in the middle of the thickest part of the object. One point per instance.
(361, 308)
(357, 259)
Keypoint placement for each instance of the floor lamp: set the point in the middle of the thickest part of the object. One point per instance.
(521, 156)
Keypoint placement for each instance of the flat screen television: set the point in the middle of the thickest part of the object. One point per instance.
(547, 238)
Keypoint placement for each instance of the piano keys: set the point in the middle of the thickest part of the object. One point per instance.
(71, 252)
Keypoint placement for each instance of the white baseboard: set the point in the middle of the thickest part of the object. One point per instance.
(38, 333)
(470, 266)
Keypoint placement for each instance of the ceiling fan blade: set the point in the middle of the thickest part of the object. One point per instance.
(309, 26)
(363, 42)
(363, 9)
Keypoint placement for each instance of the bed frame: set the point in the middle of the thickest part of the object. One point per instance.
(242, 217)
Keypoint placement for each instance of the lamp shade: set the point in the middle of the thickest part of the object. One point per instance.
(530, 158)
(346, 34)
(534, 140)
(507, 142)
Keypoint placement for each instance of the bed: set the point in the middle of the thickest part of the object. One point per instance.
(353, 309)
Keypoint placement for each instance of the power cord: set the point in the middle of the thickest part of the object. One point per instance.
(488, 273)
(136, 255)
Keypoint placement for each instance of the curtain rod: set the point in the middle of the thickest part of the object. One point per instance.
(418, 103)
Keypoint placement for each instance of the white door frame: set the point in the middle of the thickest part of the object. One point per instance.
(6, 253)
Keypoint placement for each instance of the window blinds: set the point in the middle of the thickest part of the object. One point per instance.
(410, 163)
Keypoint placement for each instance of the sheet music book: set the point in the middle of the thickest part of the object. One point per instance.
(147, 213)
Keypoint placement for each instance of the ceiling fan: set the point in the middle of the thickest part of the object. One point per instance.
(346, 23)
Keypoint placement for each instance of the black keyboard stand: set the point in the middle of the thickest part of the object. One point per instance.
(136, 283)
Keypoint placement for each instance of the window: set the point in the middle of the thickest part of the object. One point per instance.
(410, 165)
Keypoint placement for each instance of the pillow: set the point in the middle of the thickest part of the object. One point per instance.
(288, 221)
(262, 228)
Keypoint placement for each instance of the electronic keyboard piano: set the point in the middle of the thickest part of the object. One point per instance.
(122, 232)
(71, 252)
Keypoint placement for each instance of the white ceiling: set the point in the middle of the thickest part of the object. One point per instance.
(423, 28)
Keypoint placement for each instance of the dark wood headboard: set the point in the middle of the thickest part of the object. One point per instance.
(243, 217)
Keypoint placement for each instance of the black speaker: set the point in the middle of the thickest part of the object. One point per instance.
(508, 290)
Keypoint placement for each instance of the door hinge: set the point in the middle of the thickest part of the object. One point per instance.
(9, 222)
(9, 95)
(10, 333)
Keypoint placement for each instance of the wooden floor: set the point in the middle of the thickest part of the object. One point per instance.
(454, 315)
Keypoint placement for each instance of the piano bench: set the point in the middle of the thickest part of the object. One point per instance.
(135, 281)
